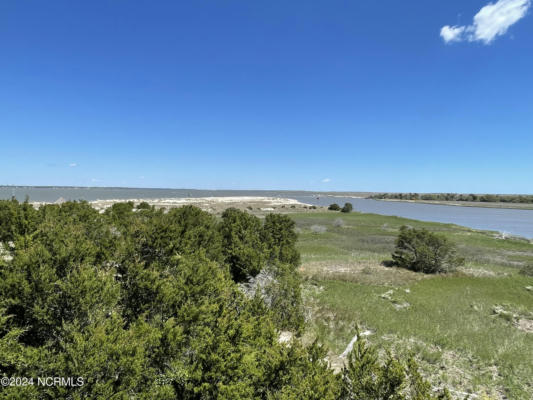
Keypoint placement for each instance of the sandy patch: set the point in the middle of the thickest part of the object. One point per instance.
(525, 325)
(211, 204)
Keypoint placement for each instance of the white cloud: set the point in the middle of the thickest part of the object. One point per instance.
(326, 180)
(494, 20)
(491, 21)
(452, 33)
(72, 165)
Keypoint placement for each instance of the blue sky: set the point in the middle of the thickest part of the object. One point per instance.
(322, 95)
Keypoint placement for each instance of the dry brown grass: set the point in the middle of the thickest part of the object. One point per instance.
(368, 272)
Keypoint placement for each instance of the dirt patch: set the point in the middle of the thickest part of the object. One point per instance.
(525, 325)
(369, 272)
(477, 272)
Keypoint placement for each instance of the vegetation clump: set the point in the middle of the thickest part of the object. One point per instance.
(365, 378)
(348, 207)
(334, 207)
(420, 250)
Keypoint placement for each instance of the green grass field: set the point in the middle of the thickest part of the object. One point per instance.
(471, 330)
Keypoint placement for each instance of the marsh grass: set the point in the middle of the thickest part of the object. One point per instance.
(449, 321)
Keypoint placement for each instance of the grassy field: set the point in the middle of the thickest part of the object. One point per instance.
(471, 330)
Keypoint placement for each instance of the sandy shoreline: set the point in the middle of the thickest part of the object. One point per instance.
(212, 204)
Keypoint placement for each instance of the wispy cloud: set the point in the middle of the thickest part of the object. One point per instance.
(491, 21)
(72, 165)
(326, 180)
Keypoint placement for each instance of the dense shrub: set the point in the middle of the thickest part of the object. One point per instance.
(16, 219)
(280, 239)
(244, 249)
(334, 207)
(348, 207)
(285, 298)
(423, 251)
(143, 205)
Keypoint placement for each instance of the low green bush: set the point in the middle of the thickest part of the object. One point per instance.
(347, 208)
(143, 205)
(423, 251)
(334, 207)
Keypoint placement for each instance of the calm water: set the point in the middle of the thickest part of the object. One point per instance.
(51, 194)
(515, 222)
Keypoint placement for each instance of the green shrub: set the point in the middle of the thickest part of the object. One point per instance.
(334, 207)
(280, 239)
(347, 208)
(366, 378)
(285, 298)
(143, 205)
(423, 251)
(243, 245)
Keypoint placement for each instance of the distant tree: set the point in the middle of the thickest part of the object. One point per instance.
(423, 251)
(347, 208)
(334, 207)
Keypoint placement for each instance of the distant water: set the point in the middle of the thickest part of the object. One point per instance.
(51, 194)
(514, 222)
(511, 221)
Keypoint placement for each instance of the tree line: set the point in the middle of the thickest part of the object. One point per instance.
(146, 304)
(483, 198)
